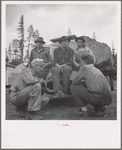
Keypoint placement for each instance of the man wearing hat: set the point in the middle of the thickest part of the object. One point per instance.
(42, 53)
(81, 48)
(27, 90)
(63, 61)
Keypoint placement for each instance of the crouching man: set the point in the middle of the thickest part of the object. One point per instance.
(90, 86)
(27, 90)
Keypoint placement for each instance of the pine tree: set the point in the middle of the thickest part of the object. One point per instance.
(27, 53)
(30, 32)
(7, 58)
(15, 43)
(113, 49)
(94, 36)
(30, 39)
(114, 55)
(36, 34)
(69, 32)
(21, 35)
(9, 50)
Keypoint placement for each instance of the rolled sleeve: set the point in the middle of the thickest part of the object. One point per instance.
(80, 75)
(28, 78)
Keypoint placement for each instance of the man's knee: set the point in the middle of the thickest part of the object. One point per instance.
(108, 99)
(38, 86)
(68, 69)
(54, 70)
(71, 87)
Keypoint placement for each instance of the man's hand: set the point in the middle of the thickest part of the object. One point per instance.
(45, 66)
(64, 65)
(60, 67)
(38, 85)
(83, 82)
(42, 81)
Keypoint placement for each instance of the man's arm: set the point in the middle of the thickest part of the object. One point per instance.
(71, 58)
(28, 78)
(81, 75)
(49, 59)
(49, 56)
(75, 61)
(55, 61)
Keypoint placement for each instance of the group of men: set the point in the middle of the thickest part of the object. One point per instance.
(89, 85)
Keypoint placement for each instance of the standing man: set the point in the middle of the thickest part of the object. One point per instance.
(63, 61)
(42, 53)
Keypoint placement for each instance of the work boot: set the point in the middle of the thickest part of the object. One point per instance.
(59, 94)
(83, 113)
(21, 111)
(101, 112)
(32, 115)
(45, 99)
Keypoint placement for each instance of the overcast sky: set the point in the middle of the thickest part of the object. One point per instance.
(53, 20)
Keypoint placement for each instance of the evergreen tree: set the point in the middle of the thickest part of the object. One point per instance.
(27, 53)
(94, 36)
(21, 35)
(113, 49)
(36, 34)
(15, 44)
(30, 39)
(30, 32)
(69, 32)
(7, 58)
(9, 53)
(9, 50)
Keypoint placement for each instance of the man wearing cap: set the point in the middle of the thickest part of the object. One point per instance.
(63, 61)
(21, 66)
(27, 89)
(42, 53)
(80, 49)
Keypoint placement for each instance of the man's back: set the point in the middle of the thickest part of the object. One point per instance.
(95, 80)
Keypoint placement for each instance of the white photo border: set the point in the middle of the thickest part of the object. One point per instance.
(51, 134)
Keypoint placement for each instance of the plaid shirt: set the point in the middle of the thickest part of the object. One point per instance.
(64, 56)
(43, 54)
(95, 81)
